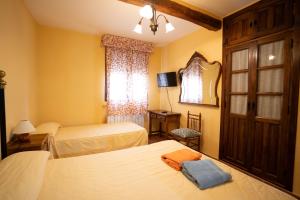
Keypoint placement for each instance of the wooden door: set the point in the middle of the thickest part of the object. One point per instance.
(269, 133)
(236, 118)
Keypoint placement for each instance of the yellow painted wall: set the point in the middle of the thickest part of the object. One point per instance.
(18, 60)
(71, 67)
(70, 77)
(154, 91)
(175, 56)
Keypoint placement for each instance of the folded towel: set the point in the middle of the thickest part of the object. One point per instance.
(204, 173)
(175, 158)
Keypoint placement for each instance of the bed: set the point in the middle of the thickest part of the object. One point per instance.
(88, 139)
(134, 173)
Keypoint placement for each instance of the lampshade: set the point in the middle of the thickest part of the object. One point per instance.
(169, 27)
(146, 12)
(149, 12)
(24, 126)
(138, 29)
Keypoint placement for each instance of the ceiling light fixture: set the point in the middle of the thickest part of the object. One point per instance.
(149, 12)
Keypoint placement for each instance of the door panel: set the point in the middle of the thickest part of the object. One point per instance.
(269, 106)
(260, 19)
(236, 126)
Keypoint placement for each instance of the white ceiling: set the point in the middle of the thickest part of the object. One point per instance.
(119, 18)
(220, 8)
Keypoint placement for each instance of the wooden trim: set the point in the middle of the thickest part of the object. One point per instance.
(238, 115)
(238, 93)
(270, 93)
(177, 10)
(244, 43)
(2, 116)
(240, 71)
(181, 70)
(294, 89)
(197, 104)
(263, 119)
(270, 67)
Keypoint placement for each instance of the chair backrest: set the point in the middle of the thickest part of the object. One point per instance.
(194, 121)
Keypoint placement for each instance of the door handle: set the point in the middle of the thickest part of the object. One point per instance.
(253, 105)
(249, 105)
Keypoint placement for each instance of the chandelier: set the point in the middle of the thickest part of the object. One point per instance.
(149, 12)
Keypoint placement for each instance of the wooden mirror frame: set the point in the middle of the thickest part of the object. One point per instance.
(2, 116)
(180, 73)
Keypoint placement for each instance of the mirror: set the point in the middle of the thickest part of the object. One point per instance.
(199, 81)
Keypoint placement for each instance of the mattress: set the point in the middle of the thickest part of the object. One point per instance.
(139, 173)
(83, 140)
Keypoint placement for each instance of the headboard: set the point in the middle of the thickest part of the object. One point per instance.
(2, 116)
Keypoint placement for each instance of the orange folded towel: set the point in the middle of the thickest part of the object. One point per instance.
(175, 158)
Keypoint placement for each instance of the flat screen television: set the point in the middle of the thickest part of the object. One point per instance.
(167, 79)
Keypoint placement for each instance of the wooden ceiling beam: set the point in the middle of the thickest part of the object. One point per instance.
(177, 10)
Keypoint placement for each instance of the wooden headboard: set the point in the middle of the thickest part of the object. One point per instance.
(2, 116)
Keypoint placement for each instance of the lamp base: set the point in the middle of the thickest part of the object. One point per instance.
(23, 138)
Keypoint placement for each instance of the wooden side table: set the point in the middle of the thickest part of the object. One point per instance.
(165, 118)
(37, 142)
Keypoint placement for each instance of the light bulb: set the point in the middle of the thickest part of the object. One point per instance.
(146, 12)
(271, 57)
(138, 28)
(169, 27)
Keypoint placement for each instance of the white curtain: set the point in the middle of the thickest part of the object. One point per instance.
(239, 82)
(270, 80)
(192, 86)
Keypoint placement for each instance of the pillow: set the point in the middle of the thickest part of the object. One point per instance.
(49, 127)
(22, 174)
(185, 132)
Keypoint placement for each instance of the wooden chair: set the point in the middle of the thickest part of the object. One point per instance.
(190, 135)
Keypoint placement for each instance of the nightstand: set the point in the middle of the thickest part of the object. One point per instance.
(37, 142)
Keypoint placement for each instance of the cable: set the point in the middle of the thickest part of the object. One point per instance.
(169, 99)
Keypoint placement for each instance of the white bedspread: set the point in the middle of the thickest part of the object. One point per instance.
(138, 173)
(82, 140)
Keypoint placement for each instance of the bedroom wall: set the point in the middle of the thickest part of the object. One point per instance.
(71, 68)
(18, 60)
(175, 56)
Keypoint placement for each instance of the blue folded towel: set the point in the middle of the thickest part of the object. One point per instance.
(204, 173)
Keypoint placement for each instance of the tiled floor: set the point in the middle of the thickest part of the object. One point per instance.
(156, 138)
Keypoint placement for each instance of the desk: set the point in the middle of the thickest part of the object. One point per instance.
(165, 118)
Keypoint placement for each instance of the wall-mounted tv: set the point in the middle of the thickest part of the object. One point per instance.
(167, 79)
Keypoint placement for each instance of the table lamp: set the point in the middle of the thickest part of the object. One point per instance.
(22, 130)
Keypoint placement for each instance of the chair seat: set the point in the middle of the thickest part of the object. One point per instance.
(185, 132)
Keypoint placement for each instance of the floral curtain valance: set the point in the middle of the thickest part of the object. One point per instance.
(126, 43)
